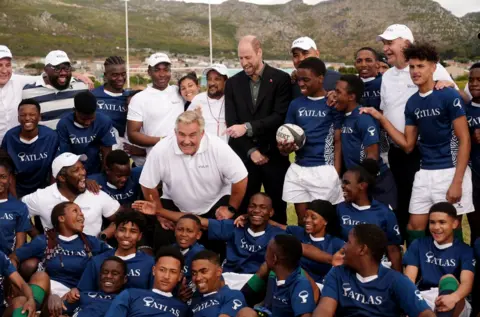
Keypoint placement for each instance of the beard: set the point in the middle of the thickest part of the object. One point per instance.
(54, 83)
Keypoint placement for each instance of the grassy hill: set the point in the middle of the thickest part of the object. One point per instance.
(96, 27)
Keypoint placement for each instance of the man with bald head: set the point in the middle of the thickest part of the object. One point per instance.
(256, 102)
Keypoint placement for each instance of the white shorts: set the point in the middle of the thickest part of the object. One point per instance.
(431, 186)
(58, 288)
(305, 184)
(430, 296)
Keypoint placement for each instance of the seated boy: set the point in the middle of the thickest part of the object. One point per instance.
(444, 265)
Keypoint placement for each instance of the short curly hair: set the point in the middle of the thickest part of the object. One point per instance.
(421, 51)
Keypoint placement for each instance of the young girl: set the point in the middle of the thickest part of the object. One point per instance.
(358, 208)
(64, 250)
(14, 220)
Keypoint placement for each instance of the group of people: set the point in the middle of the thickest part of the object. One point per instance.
(118, 202)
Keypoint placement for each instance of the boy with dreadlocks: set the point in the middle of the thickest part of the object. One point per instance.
(64, 250)
(111, 98)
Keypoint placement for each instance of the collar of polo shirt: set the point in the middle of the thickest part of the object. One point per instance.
(202, 148)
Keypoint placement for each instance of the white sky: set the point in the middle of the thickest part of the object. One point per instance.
(457, 7)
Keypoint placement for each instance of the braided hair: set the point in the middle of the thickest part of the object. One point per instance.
(51, 235)
(114, 60)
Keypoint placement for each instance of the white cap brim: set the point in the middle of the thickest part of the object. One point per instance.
(62, 161)
(217, 69)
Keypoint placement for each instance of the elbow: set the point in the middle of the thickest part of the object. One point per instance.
(408, 148)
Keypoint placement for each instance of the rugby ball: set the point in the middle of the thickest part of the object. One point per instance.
(291, 133)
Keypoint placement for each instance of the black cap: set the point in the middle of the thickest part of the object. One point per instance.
(85, 102)
(382, 58)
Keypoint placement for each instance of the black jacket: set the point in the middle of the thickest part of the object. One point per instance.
(266, 117)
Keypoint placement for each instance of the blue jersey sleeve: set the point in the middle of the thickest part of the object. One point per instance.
(292, 109)
(220, 229)
(71, 307)
(476, 248)
(337, 244)
(368, 129)
(302, 298)
(410, 118)
(97, 245)
(23, 221)
(63, 139)
(232, 304)
(467, 259)
(412, 257)
(393, 230)
(338, 118)
(454, 104)
(107, 133)
(296, 231)
(408, 296)
(89, 279)
(135, 175)
(120, 305)
(330, 285)
(33, 249)
(6, 265)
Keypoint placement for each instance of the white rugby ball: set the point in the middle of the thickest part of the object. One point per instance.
(291, 133)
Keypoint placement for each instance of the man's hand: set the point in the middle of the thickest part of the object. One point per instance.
(222, 213)
(134, 150)
(29, 307)
(166, 224)
(258, 158)
(445, 303)
(145, 207)
(198, 110)
(331, 98)
(236, 131)
(454, 193)
(93, 186)
(444, 84)
(241, 221)
(72, 296)
(55, 305)
(287, 148)
(184, 292)
(85, 79)
(476, 136)
(372, 111)
(338, 257)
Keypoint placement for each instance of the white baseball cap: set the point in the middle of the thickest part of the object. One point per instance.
(396, 31)
(55, 58)
(305, 43)
(219, 68)
(158, 58)
(5, 52)
(64, 160)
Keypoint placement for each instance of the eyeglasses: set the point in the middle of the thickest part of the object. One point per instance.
(57, 69)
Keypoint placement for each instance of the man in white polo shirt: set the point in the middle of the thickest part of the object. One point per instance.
(152, 112)
(211, 104)
(201, 174)
(397, 87)
(70, 175)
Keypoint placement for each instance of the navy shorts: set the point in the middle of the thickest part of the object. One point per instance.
(385, 190)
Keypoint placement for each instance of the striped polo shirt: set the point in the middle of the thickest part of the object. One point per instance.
(54, 103)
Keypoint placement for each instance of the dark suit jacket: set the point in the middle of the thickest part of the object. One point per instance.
(265, 117)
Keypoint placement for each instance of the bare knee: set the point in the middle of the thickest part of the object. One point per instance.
(42, 280)
(28, 268)
(247, 312)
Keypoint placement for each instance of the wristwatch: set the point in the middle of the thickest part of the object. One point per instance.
(232, 209)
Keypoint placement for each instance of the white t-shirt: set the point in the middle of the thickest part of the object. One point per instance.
(41, 203)
(194, 182)
(397, 87)
(157, 109)
(213, 111)
(10, 97)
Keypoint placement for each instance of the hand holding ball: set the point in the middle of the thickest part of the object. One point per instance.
(291, 134)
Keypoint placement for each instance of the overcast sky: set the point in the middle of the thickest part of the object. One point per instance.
(457, 7)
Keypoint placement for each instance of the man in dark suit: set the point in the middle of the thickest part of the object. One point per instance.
(256, 102)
